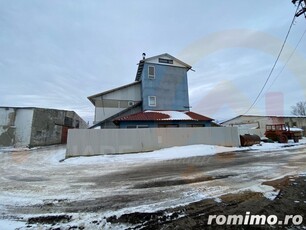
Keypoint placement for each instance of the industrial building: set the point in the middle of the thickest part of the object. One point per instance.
(259, 123)
(31, 126)
(157, 98)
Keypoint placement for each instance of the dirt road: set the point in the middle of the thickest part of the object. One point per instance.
(35, 183)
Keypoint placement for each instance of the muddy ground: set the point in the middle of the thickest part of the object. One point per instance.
(291, 199)
(39, 191)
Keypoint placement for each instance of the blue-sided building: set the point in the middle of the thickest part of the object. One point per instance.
(164, 83)
(157, 98)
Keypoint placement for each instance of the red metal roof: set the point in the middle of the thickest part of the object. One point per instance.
(199, 117)
(163, 115)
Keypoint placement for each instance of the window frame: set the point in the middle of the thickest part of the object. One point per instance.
(150, 76)
(165, 61)
(149, 101)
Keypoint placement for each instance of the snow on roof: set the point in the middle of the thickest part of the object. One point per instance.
(294, 129)
(150, 115)
(173, 115)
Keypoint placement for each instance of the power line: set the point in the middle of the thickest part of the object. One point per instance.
(273, 67)
(303, 10)
(287, 60)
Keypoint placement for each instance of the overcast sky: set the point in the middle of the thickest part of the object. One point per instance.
(56, 53)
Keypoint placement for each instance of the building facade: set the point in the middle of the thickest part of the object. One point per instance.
(164, 83)
(31, 126)
(260, 122)
(116, 101)
(160, 86)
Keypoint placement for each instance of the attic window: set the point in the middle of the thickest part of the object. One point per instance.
(166, 61)
(151, 72)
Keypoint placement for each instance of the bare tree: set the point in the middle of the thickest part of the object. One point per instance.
(299, 109)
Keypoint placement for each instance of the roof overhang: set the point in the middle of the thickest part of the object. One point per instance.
(163, 116)
(143, 61)
(91, 98)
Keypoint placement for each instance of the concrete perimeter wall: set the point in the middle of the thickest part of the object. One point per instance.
(88, 142)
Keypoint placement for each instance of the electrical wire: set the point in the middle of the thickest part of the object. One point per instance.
(273, 67)
(287, 60)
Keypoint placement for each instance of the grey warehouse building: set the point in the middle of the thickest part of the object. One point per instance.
(31, 126)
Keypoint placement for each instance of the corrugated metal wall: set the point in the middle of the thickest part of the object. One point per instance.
(87, 142)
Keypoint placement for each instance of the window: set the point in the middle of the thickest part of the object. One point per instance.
(142, 126)
(137, 126)
(168, 125)
(151, 72)
(152, 100)
(166, 61)
(195, 125)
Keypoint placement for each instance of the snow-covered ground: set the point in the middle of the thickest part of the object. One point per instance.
(181, 152)
(34, 177)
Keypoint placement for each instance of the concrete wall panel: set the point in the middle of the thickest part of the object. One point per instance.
(23, 123)
(7, 126)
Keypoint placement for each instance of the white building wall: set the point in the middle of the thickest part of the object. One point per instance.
(23, 123)
(132, 93)
(104, 113)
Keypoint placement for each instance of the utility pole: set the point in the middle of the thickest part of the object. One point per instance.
(302, 5)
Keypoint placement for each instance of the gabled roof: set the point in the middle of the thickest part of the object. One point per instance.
(198, 117)
(141, 63)
(263, 116)
(170, 57)
(110, 91)
(164, 116)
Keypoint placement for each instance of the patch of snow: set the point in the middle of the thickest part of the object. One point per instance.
(268, 191)
(271, 195)
(57, 156)
(274, 146)
(9, 224)
(295, 129)
(157, 155)
(187, 198)
(13, 149)
(174, 115)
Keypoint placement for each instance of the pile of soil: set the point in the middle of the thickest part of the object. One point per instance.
(291, 200)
